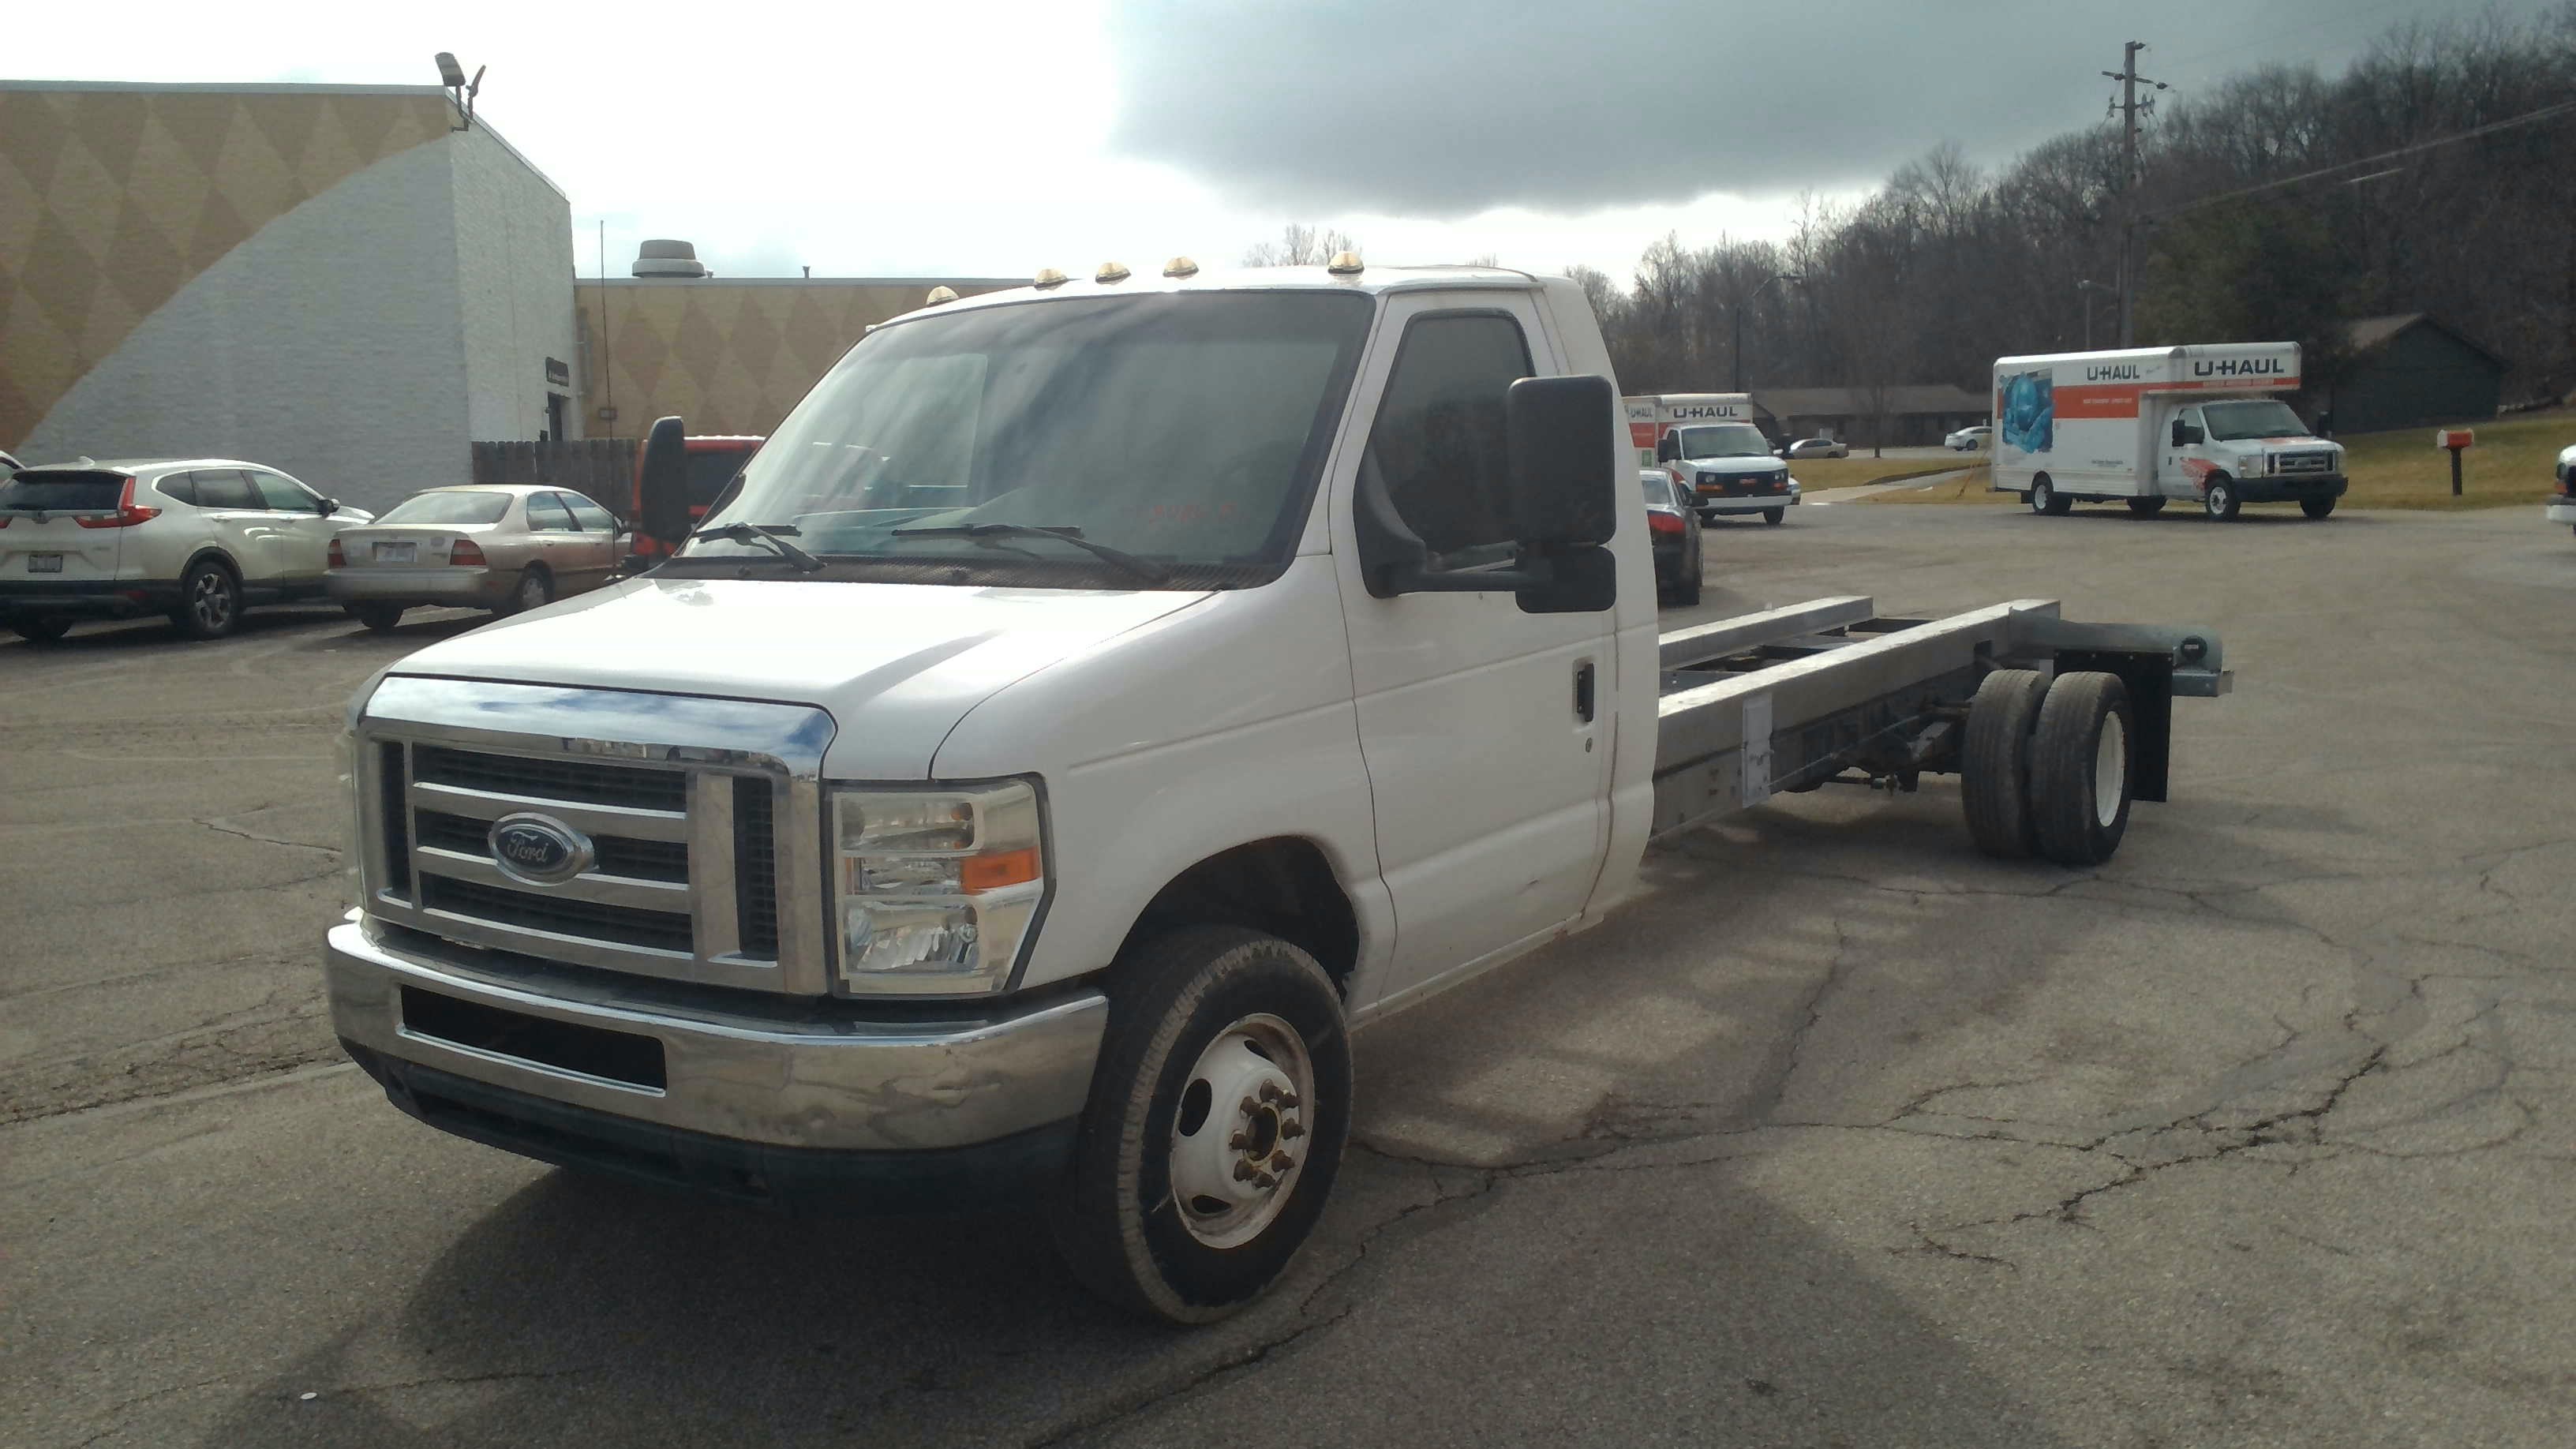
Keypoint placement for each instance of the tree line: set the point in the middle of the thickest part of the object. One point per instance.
(1946, 267)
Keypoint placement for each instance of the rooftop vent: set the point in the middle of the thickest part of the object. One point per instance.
(666, 258)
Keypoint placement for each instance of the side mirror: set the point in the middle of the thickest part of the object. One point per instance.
(2184, 434)
(662, 482)
(1667, 448)
(330, 506)
(1562, 438)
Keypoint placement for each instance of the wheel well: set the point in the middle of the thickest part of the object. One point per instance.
(1284, 887)
(216, 555)
(536, 566)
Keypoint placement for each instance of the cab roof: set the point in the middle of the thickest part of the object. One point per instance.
(1371, 281)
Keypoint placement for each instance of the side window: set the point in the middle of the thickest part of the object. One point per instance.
(283, 496)
(1438, 443)
(547, 514)
(224, 488)
(177, 487)
(591, 517)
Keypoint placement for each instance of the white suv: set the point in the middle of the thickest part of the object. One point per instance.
(197, 539)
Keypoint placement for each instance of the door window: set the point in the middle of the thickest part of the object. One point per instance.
(283, 495)
(1438, 446)
(591, 517)
(547, 514)
(224, 488)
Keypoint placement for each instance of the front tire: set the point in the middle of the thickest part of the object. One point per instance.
(210, 601)
(2218, 499)
(2081, 759)
(1773, 516)
(43, 629)
(1215, 1127)
(2317, 507)
(2044, 498)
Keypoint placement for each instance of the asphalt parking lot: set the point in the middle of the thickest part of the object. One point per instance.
(2263, 1134)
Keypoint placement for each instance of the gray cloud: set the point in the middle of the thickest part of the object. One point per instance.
(1442, 108)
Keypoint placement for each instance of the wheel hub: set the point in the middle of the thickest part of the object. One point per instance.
(1239, 1138)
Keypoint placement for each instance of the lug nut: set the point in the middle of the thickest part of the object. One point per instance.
(1281, 1161)
(1247, 1106)
(1264, 1181)
(1244, 1171)
(1291, 1130)
(1238, 1141)
(1270, 1091)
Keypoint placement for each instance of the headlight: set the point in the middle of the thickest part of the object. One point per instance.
(934, 890)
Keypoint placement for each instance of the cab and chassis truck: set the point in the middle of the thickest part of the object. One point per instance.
(1046, 850)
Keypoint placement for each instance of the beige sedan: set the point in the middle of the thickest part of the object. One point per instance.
(498, 546)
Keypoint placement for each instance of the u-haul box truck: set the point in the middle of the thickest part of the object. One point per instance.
(1714, 452)
(2149, 424)
(1650, 418)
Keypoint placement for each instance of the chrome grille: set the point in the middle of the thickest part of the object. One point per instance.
(687, 843)
(2305, 463)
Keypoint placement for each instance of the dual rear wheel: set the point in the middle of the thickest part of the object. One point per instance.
(2046, 766)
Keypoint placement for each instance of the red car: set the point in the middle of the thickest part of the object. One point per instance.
(713, 462)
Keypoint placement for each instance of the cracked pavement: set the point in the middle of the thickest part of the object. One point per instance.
(1842, 1134)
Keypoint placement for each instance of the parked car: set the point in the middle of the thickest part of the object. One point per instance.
(2562, 501)
(1970, 439)
(1818, 448)
(198, 539)
(9, 466)
(498, 546)
(1673, 528)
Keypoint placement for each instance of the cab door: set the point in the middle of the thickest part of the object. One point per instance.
(2180, 467)
(1484, 729)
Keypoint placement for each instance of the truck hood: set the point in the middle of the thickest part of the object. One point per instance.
(1739, 463)
(896, 665)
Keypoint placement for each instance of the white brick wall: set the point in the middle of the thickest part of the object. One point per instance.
(360, 342)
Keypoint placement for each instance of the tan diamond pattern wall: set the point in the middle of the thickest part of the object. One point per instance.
(729, 355)
(112, 199)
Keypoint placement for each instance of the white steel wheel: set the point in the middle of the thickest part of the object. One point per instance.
(1215, 1125)
(1239, 1136)
(2081, 760)
(2219, 499)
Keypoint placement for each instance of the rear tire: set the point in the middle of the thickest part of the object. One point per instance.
(2218, 498)
(1773, 516)
(43, 629)
(210, 601)
(1167, 1214)
(2146, 507)
(534, 590)
(2317, 507)
(2081, 761)
(1994, 766)
(379, 618)
(1687, 592)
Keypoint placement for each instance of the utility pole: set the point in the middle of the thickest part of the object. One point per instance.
(2129, 107)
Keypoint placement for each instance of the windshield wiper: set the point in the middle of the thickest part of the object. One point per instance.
(748, 534)
(1152, 573)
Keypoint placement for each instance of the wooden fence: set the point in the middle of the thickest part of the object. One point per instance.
(602, 468)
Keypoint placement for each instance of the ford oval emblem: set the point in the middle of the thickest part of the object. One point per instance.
(538, 849)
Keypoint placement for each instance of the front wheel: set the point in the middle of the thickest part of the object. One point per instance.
(2316, 507)
(2219, 499)
(43, 629)
(1217, 1116)
(1773, 516)
(2044, 498)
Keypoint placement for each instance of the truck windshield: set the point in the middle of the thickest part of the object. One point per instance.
(2255, 418)
(1187, 430)
(1726, 440)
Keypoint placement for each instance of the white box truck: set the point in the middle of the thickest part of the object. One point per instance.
(2148, 425)
(1041, 849)
(2562, 501)
(1718, 456)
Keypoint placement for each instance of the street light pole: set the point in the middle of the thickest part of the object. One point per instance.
(1740, 305)
(2086, 290)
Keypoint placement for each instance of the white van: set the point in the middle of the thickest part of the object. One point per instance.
(2149, 424)
(1715, 453)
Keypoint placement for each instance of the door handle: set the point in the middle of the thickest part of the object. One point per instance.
(1583, 708)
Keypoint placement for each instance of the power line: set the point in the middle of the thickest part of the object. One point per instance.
(2129, 106)
(2527, 118)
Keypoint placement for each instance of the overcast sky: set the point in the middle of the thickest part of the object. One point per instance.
(990, 139)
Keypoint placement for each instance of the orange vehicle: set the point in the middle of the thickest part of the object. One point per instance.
(713, 460)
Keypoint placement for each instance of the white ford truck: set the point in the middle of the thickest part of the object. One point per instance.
(1043, 844)
(2148, 425)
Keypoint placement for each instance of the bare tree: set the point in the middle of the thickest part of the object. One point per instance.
(1300, 245)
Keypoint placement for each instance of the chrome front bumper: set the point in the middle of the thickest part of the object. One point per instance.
(2562, 512)
(803, 1075)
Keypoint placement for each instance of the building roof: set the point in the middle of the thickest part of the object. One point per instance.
(2369, 334)
(1912, 397)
